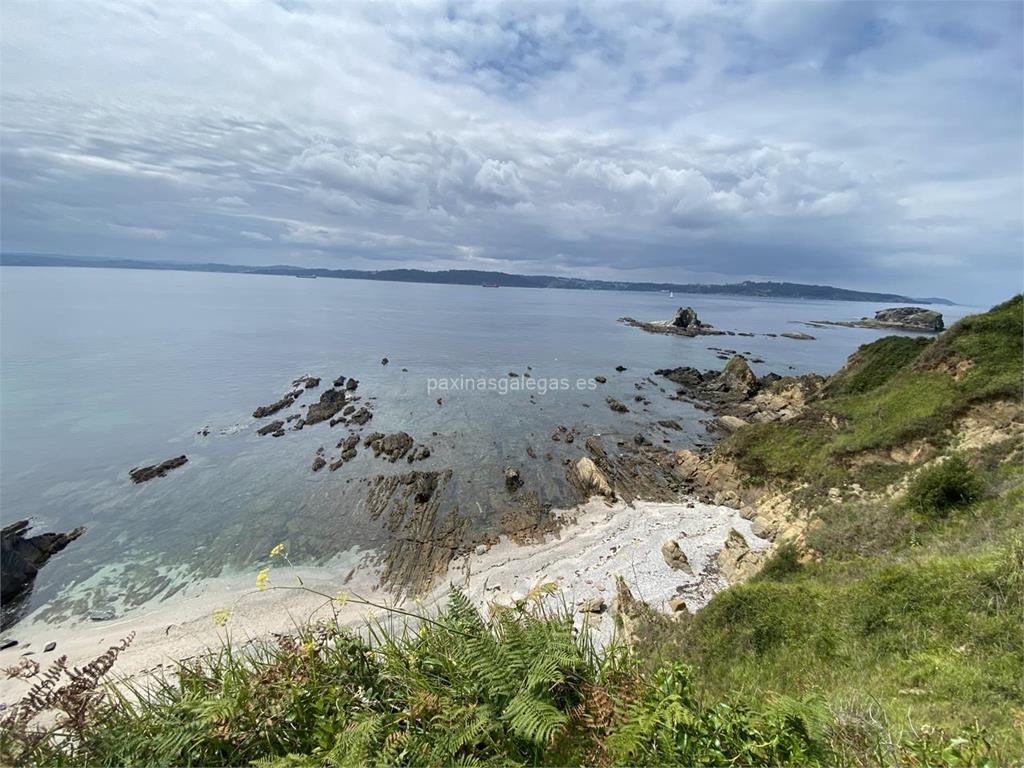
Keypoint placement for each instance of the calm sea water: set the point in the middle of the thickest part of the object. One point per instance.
(104, 370)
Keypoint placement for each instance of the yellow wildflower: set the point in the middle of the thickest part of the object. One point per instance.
(341, 598)
(221, 616)
(277, 550)
(261, 579)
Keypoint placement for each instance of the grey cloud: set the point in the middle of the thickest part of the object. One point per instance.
(864, 144)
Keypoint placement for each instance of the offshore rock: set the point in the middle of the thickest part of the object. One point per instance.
(142, 474)
(22, 556)
(331, 401)
(269, 410)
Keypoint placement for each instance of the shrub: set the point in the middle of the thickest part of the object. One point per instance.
(943, 487)
(785, 561)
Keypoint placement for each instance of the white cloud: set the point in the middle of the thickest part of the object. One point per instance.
(849, 143)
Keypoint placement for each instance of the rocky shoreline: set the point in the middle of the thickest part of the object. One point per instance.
(427, 532)
(915, 319)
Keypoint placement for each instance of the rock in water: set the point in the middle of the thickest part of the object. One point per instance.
(267, 429)
(331, 401)
(512, 479)
(21, 557)
(911, 318)
(268, 410)
(616, 406)
(392, 447)
(142, 474)
(686, 318)
(798, 335)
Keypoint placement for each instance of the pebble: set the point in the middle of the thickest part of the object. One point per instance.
(49, 647)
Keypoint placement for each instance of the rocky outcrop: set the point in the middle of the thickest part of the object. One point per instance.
(426, 529)
(392, 447)
(513, 480)
(528, 520)
(22, 556)
(896, 318)
(589, 480)
(272, 428)
(736, 391)
(737, 561)
(630, 471)
(331, 401)
(269, 410)
(142, 474)
(685, 323)
(616, 406)
(798, 335)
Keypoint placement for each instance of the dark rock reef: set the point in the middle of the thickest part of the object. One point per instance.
(21, 557)
(685, 323)
(424, 539)
(737, 396)
(142, 474)
(331, 401)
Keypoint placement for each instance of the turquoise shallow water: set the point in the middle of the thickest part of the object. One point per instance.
(104, 370)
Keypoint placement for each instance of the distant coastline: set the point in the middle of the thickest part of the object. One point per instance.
(777, 290)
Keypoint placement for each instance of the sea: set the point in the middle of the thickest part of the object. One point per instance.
(105, 370)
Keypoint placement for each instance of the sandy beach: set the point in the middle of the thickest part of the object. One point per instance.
(598, 542)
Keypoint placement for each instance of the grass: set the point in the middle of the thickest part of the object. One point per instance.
(933, 640)
(891, 392)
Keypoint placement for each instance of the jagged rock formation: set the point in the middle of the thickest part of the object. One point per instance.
(331, 401)
(426, 528)
(630, 471)
(142, 474)
(685, 323)
(21, 557)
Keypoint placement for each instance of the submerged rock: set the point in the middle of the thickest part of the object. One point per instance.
(616, 406)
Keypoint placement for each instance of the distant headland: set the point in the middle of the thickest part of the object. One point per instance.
(776, 290)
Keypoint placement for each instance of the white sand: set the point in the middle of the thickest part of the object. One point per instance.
(583, 561)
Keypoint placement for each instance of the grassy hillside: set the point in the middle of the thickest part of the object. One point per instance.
(891, 636)
(907, 606)
(891, 392)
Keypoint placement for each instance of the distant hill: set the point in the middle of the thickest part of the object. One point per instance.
(478, 277)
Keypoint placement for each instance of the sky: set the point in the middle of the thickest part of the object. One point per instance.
(864, 145)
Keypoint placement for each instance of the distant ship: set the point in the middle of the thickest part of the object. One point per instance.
(491, 285)
(307, 277)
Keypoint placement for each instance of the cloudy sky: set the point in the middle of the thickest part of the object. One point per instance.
(859, 144)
